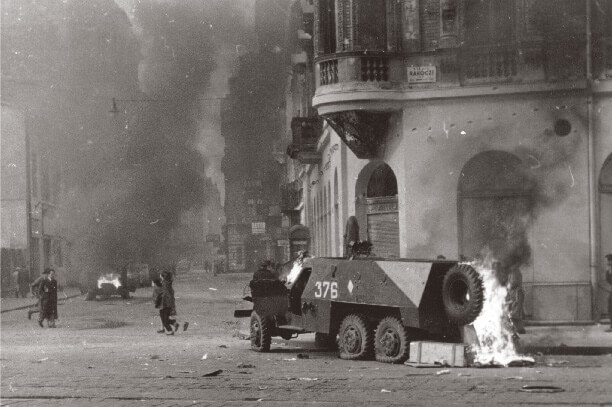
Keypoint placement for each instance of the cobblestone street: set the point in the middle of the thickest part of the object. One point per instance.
(106, 352)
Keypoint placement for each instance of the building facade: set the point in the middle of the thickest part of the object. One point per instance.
(466, 129)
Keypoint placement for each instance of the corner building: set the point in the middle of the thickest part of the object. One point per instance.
(468, 128)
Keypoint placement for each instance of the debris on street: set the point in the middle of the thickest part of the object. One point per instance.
(541, 389)
(213, 373)
(441, 372)
(245, 366)
(385, 391)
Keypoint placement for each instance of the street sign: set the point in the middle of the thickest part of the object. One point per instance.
(258, 228)
(421, 74)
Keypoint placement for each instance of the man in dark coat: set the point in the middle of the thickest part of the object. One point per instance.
(48, 300)
(167, 303)
(264, 271)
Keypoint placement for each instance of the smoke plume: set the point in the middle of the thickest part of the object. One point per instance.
(130, 179)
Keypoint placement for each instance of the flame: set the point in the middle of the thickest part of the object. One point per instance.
(110, 278)
(493, 326)
(296, 269)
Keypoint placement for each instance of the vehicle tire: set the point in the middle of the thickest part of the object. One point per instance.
(90, 296)
(391, 344)
(355, 338)
(462, 294)
(326, 341)
(261, 332)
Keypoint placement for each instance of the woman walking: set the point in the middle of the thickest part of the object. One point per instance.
(48, 299)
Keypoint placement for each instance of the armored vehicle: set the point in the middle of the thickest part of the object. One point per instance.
(366, 307)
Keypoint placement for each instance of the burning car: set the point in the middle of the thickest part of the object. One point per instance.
(111, 284)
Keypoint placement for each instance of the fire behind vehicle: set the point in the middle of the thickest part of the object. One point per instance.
(366, 307)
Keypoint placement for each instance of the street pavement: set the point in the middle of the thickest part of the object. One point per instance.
(107, 352)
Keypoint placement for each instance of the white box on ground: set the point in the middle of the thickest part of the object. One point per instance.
(451, 354)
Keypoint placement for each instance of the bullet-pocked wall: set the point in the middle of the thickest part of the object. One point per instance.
(546, 138)
(602, 129)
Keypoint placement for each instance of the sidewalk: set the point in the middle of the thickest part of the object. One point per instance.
(568, 339)
(8, 304)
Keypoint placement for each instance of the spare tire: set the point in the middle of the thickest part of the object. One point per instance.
(462, 294)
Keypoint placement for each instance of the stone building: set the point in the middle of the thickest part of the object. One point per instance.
(467, 129)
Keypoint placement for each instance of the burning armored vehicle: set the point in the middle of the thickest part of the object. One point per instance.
(366, 307)
(110, 284)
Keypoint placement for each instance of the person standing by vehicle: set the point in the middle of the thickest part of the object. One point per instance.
(609, 280)
(515, 299)
(48, 300)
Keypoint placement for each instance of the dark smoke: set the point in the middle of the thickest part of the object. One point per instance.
(129, 178)
(543, 167)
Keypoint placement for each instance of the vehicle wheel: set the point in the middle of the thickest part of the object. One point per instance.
(462, 294)
(261, 333)
(391, 345)
(326, 341)
(90, 296)
(125, 294)
(355, 338)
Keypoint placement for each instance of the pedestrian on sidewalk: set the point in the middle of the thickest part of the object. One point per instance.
(168, 304)
(609, 280)
(21, 282)
(48, 299)
(34, 290)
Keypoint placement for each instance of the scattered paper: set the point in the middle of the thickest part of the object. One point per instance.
(212, 289)
(385, 391)
(441, 372)
(205, 356)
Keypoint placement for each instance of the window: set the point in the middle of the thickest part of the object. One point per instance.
(371, 24)
(488, 21)
(327, 27)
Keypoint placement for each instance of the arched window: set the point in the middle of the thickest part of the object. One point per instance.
(495, 206)
(381, 209)
(382, 182)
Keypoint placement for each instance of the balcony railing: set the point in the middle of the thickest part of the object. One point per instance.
(524, 62)
(374, 69)
(291, 196)
(489, 63)
(328, 72)
(305, 135)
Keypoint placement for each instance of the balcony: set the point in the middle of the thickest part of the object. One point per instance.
(291, 197)
(305, 134)
(374, 78)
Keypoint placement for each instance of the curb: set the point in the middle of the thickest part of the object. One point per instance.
(568, 350)
(32, 305)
